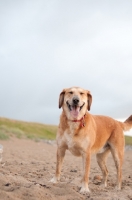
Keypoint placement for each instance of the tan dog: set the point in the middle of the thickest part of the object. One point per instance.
(84, 134)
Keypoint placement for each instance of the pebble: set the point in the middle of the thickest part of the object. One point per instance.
(98, 178)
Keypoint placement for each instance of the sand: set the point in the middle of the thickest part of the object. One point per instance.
(27, 167)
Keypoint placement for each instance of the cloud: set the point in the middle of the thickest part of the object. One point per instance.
(46, 46)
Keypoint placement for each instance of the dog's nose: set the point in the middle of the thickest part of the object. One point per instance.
(75, 100)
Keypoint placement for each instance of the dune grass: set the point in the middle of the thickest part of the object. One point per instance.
(20, 129)
(128, 140)
(10, 128)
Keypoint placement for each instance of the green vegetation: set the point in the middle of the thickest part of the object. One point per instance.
(3, 135)
(13, 128)
(128, 140)
(10, 128)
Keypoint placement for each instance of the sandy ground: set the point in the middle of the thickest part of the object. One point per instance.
(27, 167)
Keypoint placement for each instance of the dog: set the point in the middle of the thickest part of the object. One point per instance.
(84, 134)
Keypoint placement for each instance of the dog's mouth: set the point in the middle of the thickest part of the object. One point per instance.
(74, 109)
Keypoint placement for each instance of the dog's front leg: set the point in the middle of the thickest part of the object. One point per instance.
(86, 168)
(60, 158)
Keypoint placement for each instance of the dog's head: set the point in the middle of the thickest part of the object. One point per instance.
(75, 102)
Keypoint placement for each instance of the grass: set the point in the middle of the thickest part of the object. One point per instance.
(3, 135)
(10, 128)
(128, 140)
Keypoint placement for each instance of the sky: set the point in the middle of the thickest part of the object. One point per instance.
(48, 45)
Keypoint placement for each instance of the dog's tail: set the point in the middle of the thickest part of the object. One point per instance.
(127, 124)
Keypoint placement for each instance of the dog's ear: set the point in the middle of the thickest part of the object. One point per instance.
(89, 99)
(61, 98)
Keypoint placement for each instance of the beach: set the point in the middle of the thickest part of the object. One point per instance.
(27, 167)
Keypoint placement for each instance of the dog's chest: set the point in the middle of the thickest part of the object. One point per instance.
(74, 145)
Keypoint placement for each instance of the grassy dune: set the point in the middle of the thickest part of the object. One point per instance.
(20, 129)
(128, 140)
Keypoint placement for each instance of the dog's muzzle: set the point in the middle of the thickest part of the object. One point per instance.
(75, 101)
(75, 107)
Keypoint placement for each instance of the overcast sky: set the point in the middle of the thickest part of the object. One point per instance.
(48, 45)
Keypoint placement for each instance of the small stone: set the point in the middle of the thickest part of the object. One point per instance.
(97, 178)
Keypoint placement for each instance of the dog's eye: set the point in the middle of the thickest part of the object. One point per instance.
(70, 92)
(81, 93)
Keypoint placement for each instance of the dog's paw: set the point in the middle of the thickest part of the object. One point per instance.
(84, 190)
(53, 180)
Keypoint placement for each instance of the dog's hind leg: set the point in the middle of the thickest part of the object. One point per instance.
(101, 159)
(117, 150)
(118, 159)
